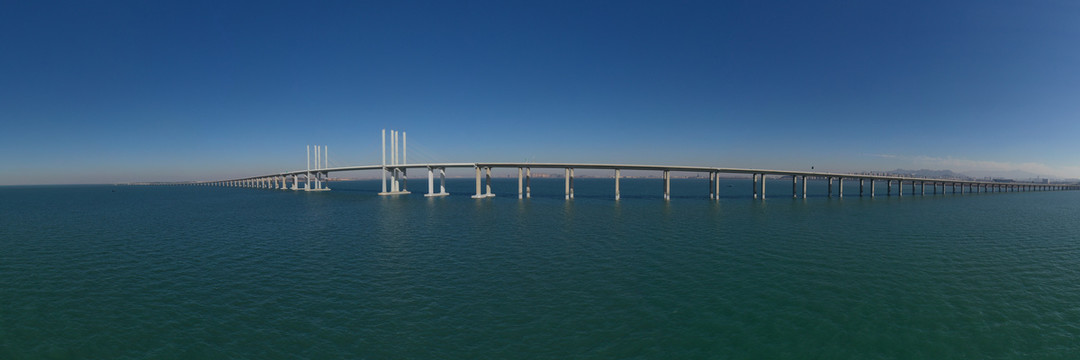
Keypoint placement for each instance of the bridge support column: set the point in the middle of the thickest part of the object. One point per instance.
(567, 175)
(667, 185)
(861, 187)
(888, 191)
(394, 185)
(922, 188)
(442, 181)
(803, 186)
(762, 186)
(872, 188)
(830, 186)
(617, 174)
(794, 186)
(528, 183)
(487, 184)
(431, 182)
(753, 187)
(521, 184)
(840, 187)
(571, 183)
(912, 187)
(478, 195)
(712, 185)
(716, 186)
(383, 161)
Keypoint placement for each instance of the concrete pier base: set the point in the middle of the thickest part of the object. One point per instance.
(431, 183)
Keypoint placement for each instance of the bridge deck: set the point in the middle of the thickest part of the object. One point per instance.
(678, 168)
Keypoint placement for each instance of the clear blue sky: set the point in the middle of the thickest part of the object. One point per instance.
(118, 91)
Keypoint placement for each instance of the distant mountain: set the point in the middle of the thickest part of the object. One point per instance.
(974, 174)
(927, 173)
(1012, 174)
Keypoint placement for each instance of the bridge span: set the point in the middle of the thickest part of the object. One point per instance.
(395, 177)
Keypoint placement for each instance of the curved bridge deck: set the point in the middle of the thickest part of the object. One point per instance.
(314, 179)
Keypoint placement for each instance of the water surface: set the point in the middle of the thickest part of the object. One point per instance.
(198, 272)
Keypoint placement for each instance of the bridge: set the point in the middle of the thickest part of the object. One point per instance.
(395, 177)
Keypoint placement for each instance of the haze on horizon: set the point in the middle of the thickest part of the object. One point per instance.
(112, 92)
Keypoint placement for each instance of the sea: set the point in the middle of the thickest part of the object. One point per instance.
(186, 272)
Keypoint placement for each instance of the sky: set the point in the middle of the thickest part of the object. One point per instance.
(129, 91)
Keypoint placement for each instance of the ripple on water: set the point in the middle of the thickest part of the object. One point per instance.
(147, 272)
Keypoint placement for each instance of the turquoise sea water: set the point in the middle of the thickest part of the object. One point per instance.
(113, 272)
